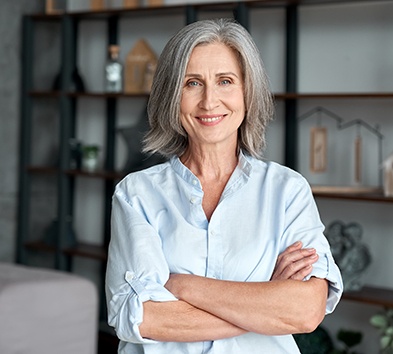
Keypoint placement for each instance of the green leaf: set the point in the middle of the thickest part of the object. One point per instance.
(379, 321)
(385, 341)
(389, 331)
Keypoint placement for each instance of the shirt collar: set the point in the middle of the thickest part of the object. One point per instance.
(244, 165)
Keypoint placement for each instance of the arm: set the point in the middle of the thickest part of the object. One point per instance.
(178, 321)
(271, 308)
(181, 321)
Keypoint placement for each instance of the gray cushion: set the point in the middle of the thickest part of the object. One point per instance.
(46, 311)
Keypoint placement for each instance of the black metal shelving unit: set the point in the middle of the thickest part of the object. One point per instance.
(67, 101)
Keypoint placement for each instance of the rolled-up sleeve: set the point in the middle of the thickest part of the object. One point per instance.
(327, 269)
(136, 270)
(303, 224)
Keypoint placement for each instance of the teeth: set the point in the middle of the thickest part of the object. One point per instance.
(209, 120)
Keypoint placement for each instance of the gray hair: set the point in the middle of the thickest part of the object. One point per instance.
(166, 135)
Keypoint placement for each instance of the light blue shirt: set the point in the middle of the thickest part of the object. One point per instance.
(159, 227)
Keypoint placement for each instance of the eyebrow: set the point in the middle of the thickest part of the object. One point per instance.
(229, 73)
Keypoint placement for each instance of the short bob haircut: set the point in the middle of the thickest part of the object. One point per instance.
(166, 135)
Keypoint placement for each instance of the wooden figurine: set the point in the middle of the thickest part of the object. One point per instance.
(318, 149)
(388, 176)
(129, 4)
(152, 3)
(97, 5)
(139, 68)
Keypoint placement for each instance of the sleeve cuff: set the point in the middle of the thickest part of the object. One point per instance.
(140, 293)
(326, 268)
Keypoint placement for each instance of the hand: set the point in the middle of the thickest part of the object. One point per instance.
(294, 263)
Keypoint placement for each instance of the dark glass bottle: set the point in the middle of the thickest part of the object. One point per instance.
(77, 84)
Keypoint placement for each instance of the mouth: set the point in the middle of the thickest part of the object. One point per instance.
(211, 119)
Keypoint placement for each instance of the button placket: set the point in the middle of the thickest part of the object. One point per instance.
(214, 264)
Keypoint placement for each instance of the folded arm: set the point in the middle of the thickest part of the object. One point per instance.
(179, 321)
(272, 308)
(187, 320)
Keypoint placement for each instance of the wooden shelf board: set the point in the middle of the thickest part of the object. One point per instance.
(81, 249)
(369, 194)
(97, 174)
(277, 95)
(107, 95)
(335, 95)
(40, 246)
(371, 295)
(45, 93)
(87, 250)
(179, 9)
(42, 169)
(56, 94)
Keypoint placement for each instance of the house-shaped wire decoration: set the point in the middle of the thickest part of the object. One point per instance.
(319, 146)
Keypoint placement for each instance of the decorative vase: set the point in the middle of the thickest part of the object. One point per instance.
(51, 233)
(90, 158)
(77, 83)
(133, 137)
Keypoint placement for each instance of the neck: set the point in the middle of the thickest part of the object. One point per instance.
(211, 164)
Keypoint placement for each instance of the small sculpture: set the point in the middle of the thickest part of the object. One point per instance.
(351, 255)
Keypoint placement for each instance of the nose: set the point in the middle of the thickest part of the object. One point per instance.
(210, 98)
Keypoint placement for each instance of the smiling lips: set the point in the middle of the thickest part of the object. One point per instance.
(210, 119)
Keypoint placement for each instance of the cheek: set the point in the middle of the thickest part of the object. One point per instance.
(186, 104)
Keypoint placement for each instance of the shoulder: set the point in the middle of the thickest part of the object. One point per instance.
(144, 179)
(273, 171)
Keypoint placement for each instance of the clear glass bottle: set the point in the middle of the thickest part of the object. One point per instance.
(113, 70)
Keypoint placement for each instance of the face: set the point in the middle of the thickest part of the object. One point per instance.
(212, 105)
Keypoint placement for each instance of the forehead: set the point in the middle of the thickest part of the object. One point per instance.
(214, 55)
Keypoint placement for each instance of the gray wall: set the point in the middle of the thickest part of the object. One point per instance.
(10, 29)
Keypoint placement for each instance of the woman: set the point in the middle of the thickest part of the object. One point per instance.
(215, 251)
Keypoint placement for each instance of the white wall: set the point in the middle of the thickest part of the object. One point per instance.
(342, 48)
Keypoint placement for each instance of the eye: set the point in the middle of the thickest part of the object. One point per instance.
(225, 82)
(192, 83)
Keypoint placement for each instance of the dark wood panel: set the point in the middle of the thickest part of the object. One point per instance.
(371, 295)
(87, 250)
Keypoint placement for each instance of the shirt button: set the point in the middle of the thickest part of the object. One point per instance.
(192, 200)
(194, 182)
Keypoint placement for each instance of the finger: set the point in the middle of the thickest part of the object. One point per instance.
(287, 259)
(289, 270)
(288, 251)
(292, 248)
(302, 273)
